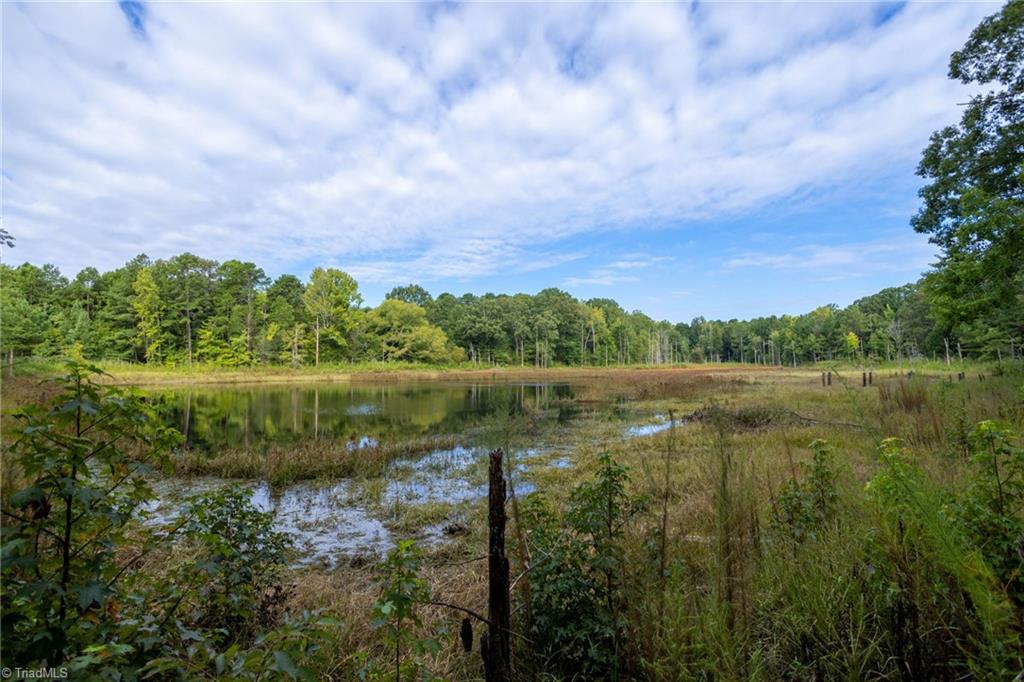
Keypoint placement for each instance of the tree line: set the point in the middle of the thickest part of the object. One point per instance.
(187, 309)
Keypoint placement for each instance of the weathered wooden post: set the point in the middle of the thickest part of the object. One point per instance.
(863, 379)
(830, 378)
(871, 378)
(494, 645)
(822, 378)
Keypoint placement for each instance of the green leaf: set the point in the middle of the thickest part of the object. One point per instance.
(91, 593)
(23, 497)
(283, 663)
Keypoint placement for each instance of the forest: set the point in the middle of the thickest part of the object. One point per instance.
(188, 309)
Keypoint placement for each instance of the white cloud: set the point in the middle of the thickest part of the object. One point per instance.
(837, 262)
(616, 271)
(484, 134)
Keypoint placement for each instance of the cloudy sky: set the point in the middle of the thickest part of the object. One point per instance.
(719, 159)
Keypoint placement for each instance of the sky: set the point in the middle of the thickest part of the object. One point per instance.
(720, 159)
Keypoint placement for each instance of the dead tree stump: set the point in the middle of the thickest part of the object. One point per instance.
(495, 647)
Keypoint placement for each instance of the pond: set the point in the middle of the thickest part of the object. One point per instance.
(334, 521)
(215, 417)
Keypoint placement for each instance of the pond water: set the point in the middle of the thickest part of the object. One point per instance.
(215, 417)
(331, 522)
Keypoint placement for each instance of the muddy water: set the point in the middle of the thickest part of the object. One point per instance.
(334, 522)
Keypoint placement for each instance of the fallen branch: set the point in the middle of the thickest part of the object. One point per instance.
(824, 421)
(461, 608)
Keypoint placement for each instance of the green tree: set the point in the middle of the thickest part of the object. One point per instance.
(116, 323)
(396, 612)
(149, 308)
(329, 298)
(411, 293)
(236, 301)
(400, 331)
(187, 294)
(22, 325)
(973, 204)
(285, 319)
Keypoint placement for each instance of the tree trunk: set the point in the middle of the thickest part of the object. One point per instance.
(188, 336)
(317, 361)
(248, 323)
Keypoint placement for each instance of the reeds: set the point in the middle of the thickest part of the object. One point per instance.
(907, 395)
(284, 463)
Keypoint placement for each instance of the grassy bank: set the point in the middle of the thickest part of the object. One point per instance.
(124, 373)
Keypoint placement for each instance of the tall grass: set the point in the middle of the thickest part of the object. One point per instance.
(284, 463)
(887, 584)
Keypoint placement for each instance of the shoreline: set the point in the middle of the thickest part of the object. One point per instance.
(276, 375)
(212, 375)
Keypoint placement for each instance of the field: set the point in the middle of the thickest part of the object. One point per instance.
(764, 526)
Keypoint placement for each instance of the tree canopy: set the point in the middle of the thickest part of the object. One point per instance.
(973, 202)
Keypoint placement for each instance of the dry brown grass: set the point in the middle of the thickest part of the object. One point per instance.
(283, 463)
(162, 376)
(350, 593)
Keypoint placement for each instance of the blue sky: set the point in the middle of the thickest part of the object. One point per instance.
(717, 159)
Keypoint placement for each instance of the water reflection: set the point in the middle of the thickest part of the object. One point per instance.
(213, 417)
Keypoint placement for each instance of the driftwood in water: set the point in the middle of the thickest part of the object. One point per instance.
(494, 645)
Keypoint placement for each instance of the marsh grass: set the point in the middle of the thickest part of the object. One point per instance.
(283, 463)
(873, 594)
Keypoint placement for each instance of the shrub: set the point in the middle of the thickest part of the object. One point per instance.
(73, 590)
(396, 613)
(237, 570)
(992, 508)
(576, 576)
(61, 573)
(944, 613)
(804, 508)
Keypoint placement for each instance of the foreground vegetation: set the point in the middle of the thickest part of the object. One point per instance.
(780, 529)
